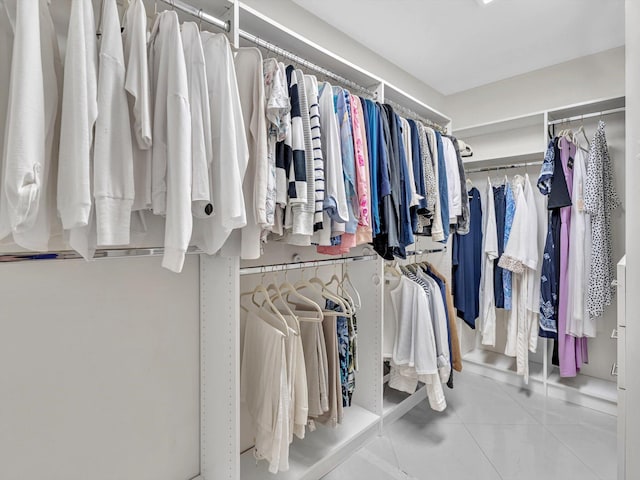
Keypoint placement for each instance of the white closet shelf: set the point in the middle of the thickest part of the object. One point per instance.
(320, 451)
(396, 403)
(585, 385)
(500, 126)
(489, 363)
(528, 157)
(584, 108)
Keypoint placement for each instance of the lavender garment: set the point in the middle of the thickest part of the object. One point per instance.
(572, 351)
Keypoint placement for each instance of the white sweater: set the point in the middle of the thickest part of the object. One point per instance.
(137, 85)
(171, 153)
(113, 155)
(230, 150)
(79, 113)
(201, 143)
(28, 104)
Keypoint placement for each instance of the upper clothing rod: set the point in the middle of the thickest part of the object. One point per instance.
(416, 116)
(586, 115)
(503, 167)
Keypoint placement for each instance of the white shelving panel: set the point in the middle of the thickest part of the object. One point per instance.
(396, 403)
(320, 451)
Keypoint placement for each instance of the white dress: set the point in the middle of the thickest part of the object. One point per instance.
(579, 322)
(521, 257)
(487, 317)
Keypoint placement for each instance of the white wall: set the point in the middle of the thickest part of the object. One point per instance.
(595, 76)
(297, 18)
(633, 230)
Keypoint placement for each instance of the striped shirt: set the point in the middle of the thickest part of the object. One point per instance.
(311, 84)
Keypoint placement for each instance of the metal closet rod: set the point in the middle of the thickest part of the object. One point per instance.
(205, 17)
(586, 115)
(503, 167)
(100, 254)
(426, 251)
(280, 267)
(410, 113)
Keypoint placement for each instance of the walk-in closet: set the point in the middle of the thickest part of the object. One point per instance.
(301, 240)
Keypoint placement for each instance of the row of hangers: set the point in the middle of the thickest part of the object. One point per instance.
(287, 315)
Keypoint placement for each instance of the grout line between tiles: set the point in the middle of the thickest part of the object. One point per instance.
(482, 451)
(546, 427)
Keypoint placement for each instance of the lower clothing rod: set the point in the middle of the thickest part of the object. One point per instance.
(300, 265)
(503, 167)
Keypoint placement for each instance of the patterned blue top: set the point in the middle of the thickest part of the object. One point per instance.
(508, 222)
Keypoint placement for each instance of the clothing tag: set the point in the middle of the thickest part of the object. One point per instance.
(580, 204)
(570, 163)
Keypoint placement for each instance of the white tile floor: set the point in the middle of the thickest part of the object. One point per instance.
(490, 431)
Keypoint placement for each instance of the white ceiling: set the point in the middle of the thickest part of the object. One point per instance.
(454, 45)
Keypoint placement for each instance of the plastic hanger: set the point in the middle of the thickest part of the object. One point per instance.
(288, 289)
(347, 279)
(275, 312)
(315, 287)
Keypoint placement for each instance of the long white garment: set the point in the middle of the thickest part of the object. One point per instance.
(201, 142)
(487, 317)
(32, 70)
(335, 199)
(79, 113)
(245, 242)
(579, 322)
(534, 264)
(264, 389)
(521, 257)
(230, 150)
(171, 152)
(113, 151)
(453, 180)
(137, 84)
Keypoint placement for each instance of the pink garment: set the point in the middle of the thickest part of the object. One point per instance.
(364, 233)
(572, 351)
(348, 241)
(362, 177)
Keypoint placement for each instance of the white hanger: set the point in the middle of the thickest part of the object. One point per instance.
(346, 278)
(275, 312)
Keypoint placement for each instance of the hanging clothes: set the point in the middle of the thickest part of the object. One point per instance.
(601, 199)
(230, 149)
(579, 322)
(490, 253)
(499, 199)
(467, 264)
(31, 70)
(245, 242)
(509, 213)
(137, 84)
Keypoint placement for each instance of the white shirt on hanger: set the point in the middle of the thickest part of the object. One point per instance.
(139, 89)
(230, 150)
(487, 317)
(171, 153)
(201, 142)
(245, 242)
(31, 68)
(79, 113)
(453, 180)
(113, 152)
(335, 200)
